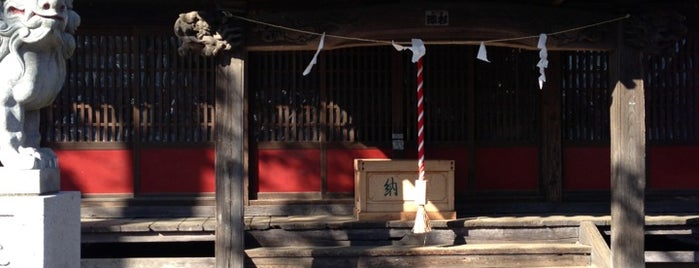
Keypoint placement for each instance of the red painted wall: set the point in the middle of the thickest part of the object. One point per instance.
(586, 168)
(177, 171)
(293, 170)
(507, 168)
(460, 156)
(298, 170)
(96, 171)
(669, 168)
(673, 167)
(340, 167)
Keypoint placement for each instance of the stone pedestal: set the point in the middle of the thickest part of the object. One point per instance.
(29, 182)
(38, 230)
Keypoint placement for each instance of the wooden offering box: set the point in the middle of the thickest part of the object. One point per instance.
(385, 189)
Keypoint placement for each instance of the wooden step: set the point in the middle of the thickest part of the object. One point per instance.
(482, 255)
(147, 262)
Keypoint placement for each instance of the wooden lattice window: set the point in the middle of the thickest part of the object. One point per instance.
(672, 101)
(176, 93)
(346, 98)
(445, 86)
(507, 97)
(585, 93)
(95, 102)
(125, 87)
(285, 104)
(359, 104)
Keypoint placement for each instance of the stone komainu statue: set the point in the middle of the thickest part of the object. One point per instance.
(36, 38)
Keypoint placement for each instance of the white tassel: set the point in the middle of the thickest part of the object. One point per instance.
(422, 222)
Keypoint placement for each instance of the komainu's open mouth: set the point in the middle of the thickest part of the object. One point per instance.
(18, 11)
(15, 11)
(55, 17)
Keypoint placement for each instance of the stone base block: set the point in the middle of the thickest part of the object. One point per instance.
(29, 181)
(40, 231)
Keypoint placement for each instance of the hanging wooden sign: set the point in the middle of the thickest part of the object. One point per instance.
(436, 18)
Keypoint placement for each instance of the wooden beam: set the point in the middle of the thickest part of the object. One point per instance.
(551, 152)
(230, 171)
(628, 158)
(469, 23)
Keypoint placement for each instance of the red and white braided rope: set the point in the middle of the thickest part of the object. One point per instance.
(420, 124)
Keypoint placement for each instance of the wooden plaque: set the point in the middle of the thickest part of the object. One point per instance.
(385, 189)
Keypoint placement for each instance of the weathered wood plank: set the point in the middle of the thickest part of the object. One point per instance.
(552, 260)
(209, 224)
(590, 235)
(260, 222)
(551, 151)
(230, 168)
(137, 225)
(102, 225)
(469, 23)
(147, 211)
(143, 237)
(673, 257)
(279, 237)
(192, 225)
(166, 225)
(502, 255)
(147, 263)
(628, 158)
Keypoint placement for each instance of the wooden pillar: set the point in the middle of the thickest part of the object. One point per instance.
(628, 163)
(551, 152)
(398, 134)
(471, 120)
(230, 172)
(323, 139)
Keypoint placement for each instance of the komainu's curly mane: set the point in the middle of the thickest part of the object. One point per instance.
(14, 31)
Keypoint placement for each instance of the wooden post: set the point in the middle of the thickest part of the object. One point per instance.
(230, 170)
(551, 150)
(471, 120)
(628, 163)
(322, 69)
(397, 106)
